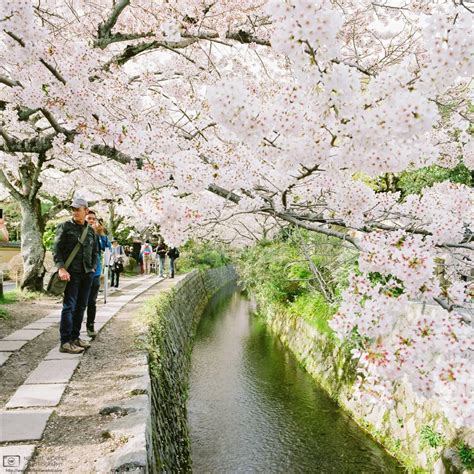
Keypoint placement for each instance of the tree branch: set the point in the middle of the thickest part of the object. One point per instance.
(104, 30)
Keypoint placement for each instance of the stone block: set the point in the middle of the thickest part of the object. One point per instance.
(54, 354)
(40, 325)
(9, 346)
(15, 458)
(4, 357)
(23, 425)
(53, 371)
(24, 335)
(39, 395)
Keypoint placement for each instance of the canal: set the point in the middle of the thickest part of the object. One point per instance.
(252, 408)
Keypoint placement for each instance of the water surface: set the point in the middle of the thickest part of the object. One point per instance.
(252, 408)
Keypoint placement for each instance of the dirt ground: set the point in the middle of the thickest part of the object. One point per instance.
(25, 312)
(76, 438)
(19, 365)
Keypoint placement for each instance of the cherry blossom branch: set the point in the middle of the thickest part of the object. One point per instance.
(11, 189)
(48, 66)
(104, 38)
(8, 82)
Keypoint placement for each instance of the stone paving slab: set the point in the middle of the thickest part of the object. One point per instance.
(23, 425)
(54, 354)
(23, 335)
(103, 318)
(39, 325)
(4, 357)
(52, 371)
(14, 458)
(9, 346)
(51, 319)
(39, 395)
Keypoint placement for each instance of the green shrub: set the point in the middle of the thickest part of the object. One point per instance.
(466, 454)
(315, 310)
(279, 273)
(201, 255)
(132, 267)
(430, 437)
(4, 314)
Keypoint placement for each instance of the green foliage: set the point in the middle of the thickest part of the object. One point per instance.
(12, 216)
(132, 267)
(49, 235)
(4, 314)
(17, 295)
(430, 437)
(273, 271)
(10, 297)
(466, 454)
(279, 273)
(124, 235)
(315, 310)
(413, 182)
(202, 255)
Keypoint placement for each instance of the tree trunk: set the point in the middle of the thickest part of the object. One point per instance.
(32, 248)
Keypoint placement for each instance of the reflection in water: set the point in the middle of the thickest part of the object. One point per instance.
(253, 409)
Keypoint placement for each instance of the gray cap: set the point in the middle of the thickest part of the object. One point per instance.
(79, 202)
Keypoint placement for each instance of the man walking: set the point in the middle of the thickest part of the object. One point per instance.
(103, 243)
(161, 255)
(79, 274)
(173, 254)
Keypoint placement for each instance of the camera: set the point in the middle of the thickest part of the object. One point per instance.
(11, 461)
(1, 213)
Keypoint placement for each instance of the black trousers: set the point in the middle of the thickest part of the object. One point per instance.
(114, 278)
(92, 303)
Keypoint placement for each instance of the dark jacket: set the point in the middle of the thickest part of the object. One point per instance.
(161, 250)
(173, 253)
(67, 236)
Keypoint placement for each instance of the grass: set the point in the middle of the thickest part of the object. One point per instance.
(4, 314)
(17, 295)
(313, 308)
(10, 297)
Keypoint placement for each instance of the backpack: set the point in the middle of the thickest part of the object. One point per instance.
(147, 249)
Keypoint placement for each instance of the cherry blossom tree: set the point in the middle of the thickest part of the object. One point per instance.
(206, 114)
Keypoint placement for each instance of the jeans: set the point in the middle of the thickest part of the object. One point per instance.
(114, 277)
(75, 300)
(91, 305)
(161, 261)
(172, 267)
(147, 263)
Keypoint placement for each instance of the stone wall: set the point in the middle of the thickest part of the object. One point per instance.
(175, 315)
(412, 430)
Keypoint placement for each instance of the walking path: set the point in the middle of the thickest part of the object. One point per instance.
(26, 413)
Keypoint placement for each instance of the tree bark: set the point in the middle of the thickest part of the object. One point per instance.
(32, 248)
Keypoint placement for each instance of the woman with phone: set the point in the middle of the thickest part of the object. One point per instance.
(4, 237)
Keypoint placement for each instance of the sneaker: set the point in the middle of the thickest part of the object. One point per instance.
(81, 343)
(90, 331)
(70, 348)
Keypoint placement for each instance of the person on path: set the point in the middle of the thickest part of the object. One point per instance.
(79, 274)
(4, 236)
(173, 254)
(103, 242)
(116, 262)
(161, 250)
(147, 252)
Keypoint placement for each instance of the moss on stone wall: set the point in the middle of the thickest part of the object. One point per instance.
(173, 317)
(415, 432)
